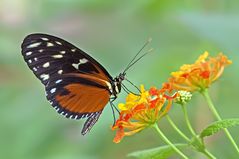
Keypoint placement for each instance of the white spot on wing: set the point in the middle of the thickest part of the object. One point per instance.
(49, 44)
(59, 43)
(45, 39)
(60, 71)
(34, 45)
(34, 68)
(30, 61)
(44, 77)
(81, 61)
(57, 56)
(35, 58)
(58, 81)
(28, 53)
(76, 65)
(53, 90)
(73, 50)
(62, 52)
(47, 64)
(41, 50)
(84, 60)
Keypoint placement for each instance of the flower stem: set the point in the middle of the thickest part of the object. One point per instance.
(177, 129)
(155, 126)
(208, 154)
(185, 112)
(215, 113)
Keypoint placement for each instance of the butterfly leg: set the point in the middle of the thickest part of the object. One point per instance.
(128, 91)
(113, 107)
(133, 85)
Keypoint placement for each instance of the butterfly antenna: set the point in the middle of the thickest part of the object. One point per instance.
(128, 67)
(145, 44)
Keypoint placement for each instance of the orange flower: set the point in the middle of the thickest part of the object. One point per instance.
(139, 112)
(200, 75)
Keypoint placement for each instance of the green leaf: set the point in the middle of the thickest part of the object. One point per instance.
(219, 125)
(162, 152)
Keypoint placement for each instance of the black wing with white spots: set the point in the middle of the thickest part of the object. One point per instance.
(48, 56)
(66, 71)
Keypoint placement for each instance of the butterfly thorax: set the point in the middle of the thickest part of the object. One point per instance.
(116, 84)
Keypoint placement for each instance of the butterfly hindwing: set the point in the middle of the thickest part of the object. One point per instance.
(75, 96)
(76, 85)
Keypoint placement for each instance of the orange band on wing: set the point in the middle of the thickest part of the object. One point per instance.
(83, 98)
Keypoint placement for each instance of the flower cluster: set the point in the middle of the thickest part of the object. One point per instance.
(140, 112)
(200, 75)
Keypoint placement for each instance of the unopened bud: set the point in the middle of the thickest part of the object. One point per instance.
(183, 97)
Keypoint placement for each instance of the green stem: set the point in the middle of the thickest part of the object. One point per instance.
(215, 113)
(201, 145)
(208, 154)
(155, 126)
(177, 129)
(187, 120)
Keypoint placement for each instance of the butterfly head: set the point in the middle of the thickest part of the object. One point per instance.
(121, 77)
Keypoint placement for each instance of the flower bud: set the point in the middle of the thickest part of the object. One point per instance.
(183, 97)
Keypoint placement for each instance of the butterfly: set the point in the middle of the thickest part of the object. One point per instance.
(76, 85)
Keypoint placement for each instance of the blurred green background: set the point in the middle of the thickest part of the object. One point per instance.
(112, 32)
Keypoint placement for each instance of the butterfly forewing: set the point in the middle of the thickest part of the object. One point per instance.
(47, 55)
(76, 85)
